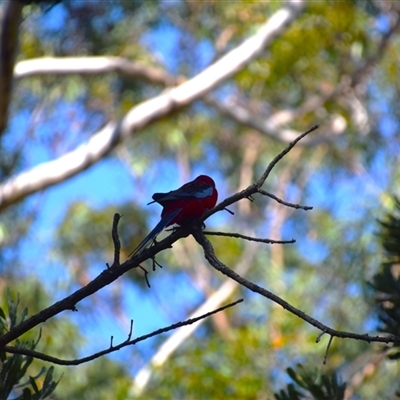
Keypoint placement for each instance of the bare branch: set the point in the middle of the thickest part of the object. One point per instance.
(112, 349)
(52, 172)
(282, 154)
(249, 238)
(106, 64)
(102, 142)
(8, 49)
(91, 66)
(115, 238)
(108, 276)
(255, 187)
(146, 276)
(327, 350)
(285, 203)
(221, 267)
(179, 336)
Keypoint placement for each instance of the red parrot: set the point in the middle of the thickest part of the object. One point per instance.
(182, 206)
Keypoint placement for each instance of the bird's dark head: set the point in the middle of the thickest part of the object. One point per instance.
(206, 179)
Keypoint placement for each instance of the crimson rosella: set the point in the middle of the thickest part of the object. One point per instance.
(182, 206)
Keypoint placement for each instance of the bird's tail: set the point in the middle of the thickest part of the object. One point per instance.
(165, 221)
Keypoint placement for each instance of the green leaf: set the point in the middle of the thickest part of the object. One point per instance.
(33, 384)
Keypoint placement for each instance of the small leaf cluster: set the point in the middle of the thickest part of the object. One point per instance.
(310, 384)
(386, 282)
(15, 383)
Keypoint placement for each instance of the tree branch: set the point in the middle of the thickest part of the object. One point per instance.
(175, 340)
(93, 65)
(112, 349)
(115, 238)
(249, 238)
(255, 187)
(220, 295)
(270, 126)
(221, 267)
(102, 142)
(8, 49)
(106, 277)
(285, 203)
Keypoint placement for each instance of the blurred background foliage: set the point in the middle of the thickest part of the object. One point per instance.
(336, 65)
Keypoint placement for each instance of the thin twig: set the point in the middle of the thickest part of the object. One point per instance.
(285, 203)
(250, 238)
(146, 276)
(130, 331)
(327, 350)
(319, 336)
(289, 147)
(115, 238)
(255, 187)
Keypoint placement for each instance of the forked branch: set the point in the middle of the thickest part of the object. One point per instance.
(221, 267)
